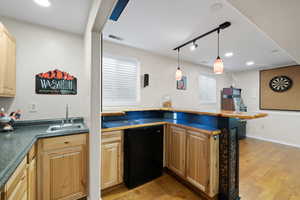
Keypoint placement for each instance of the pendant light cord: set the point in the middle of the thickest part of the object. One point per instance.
(218, 43)
(178, 58)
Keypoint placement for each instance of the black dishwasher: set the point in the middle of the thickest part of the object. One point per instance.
(143, 155)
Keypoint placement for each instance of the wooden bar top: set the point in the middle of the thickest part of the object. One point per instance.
(218, 113)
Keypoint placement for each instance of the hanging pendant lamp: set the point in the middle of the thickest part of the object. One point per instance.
(218, 65)
(178, 71)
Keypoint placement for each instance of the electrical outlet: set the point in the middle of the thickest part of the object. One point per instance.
(33, 107)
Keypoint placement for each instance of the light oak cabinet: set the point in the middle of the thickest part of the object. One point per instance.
(194, 156)
(111, 159)
(1, 194)
(177, 150)
(7, 63)
(197, 159)
(32, 171)
(62, 167)
(16, 187)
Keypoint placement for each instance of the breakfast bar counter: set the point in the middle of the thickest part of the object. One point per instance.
(221, 124)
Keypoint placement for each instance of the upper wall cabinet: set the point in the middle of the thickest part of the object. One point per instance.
(7, 63)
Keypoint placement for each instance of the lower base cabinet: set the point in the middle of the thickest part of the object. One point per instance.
(111, 159)
(32, 180)
(16, 186)
(194, 156)
(62, 168)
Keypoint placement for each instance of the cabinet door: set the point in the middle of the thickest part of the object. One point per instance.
(7, 63)
(32, 179)
(16, 186)
(111, 164)
(20, 191)
(64, 173)
(198, 159)
(177, 150)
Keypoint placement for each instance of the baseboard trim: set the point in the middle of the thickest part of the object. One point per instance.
(274, 141)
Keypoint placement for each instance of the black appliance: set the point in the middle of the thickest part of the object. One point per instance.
(143, 155)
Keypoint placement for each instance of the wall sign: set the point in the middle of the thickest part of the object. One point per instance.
(55, 82)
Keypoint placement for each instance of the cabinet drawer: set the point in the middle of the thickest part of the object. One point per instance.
(62, 142)
(113, 136)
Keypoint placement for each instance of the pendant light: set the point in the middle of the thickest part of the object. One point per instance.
(218, 65)
(178, 71)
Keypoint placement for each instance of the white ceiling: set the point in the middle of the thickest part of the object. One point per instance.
(67, 15)
(159, 26)
(286, 14)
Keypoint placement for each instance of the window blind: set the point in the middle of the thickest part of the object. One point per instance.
(207, 89)
(120, 82)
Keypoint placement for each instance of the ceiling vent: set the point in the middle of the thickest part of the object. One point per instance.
(115, 37)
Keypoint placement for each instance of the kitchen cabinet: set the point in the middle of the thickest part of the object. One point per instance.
(62, 167)
(32, 176)
(111, 159)
(16, 187)
(194, 156)
(1, 194)
(177, 150)
(7, 63)
(197, 159)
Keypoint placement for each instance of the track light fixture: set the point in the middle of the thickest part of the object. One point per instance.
(194, 46)
(218, 65)
(178, 71)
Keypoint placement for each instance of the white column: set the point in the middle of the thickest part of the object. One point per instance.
(95, 120)
(99, 13)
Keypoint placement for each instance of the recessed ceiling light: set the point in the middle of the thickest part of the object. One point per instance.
(250, 63)
(114, 37)
(43, 3)
(216, 7)
(228, 54)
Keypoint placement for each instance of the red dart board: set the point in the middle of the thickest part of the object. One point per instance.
(280, 83)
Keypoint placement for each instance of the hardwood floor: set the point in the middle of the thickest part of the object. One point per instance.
(163, 188)
(268, 171)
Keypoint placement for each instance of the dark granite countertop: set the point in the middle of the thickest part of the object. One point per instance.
(15, 145)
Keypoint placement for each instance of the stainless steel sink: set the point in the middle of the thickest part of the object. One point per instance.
(64, 127)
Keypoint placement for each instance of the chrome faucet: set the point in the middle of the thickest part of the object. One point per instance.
(67, 117)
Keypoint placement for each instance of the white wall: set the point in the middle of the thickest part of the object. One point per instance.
(279, 126)
(162, 78)
(40, 49)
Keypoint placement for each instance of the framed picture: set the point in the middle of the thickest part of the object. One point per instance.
(181, 84)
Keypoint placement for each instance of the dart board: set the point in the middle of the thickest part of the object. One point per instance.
(280, 83)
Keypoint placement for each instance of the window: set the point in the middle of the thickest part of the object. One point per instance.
(208, 89)
(120, 81)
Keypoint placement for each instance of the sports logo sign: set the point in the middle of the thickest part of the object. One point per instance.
(55, 82)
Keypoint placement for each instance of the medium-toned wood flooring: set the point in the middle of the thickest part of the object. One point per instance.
(268, 171)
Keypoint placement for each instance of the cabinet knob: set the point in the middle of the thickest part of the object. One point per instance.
(66, 142)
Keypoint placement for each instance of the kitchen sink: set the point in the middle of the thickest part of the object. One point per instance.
(64, 127)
